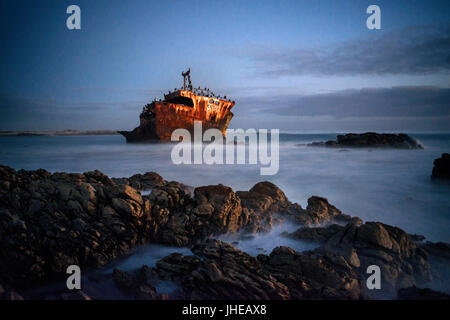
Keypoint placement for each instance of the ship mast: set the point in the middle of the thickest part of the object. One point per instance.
(188, 75)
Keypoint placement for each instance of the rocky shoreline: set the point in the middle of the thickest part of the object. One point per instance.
(441, 168)
(372, 140)
(49, 221)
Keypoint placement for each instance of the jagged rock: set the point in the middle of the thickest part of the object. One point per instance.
(417, 237)
(178, 219)
(313, 275)
(437, 249)
(140, 182)
(373, 140)
(441, 169)
(13, 295)
(319, 234)
(414, 293)
(136, 284)
(401, 261)
(7, 293)
(221, 205)
(270, 205)
(265, 204)
(49, 221)
(319, 211)
(123, 279)
(272, 191)
(438, 256)
(222, 272)
(76, 295)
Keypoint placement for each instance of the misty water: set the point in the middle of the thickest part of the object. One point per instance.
(386, 185)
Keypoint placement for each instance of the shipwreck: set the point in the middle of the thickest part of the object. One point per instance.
(180, 109)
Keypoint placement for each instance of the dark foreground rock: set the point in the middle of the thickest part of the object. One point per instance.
(404, 260)
(319, 234)
(441, 169)
(414, 293)
(76, 295)
(220, 271)
(136, 284)
(372, 140)
(335, 270)
(50, 221)
(7, 293)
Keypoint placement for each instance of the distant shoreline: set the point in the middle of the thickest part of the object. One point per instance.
(57, 133)
(21, 133)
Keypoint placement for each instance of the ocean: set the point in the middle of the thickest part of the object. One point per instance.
(387, 185)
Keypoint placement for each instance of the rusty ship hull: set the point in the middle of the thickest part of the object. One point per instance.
(180, 109)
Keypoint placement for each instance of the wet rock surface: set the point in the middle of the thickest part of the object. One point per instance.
(441, 169)
(136, 284)
(414, 293)
(50, 221)
(402, 262)
(373, 140)
(318, 234)
(220, 271)
(7, 293)
(335, 270)
(217, 270)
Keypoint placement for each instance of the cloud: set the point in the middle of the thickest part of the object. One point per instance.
(416, 50)
(410, 101)
(391, 109)
(22, 113)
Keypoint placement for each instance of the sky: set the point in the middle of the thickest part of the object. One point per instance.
(297, 66)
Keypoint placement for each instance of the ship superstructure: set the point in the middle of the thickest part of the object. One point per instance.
(180, 109)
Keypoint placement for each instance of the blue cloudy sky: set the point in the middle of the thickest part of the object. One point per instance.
(301, 66)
